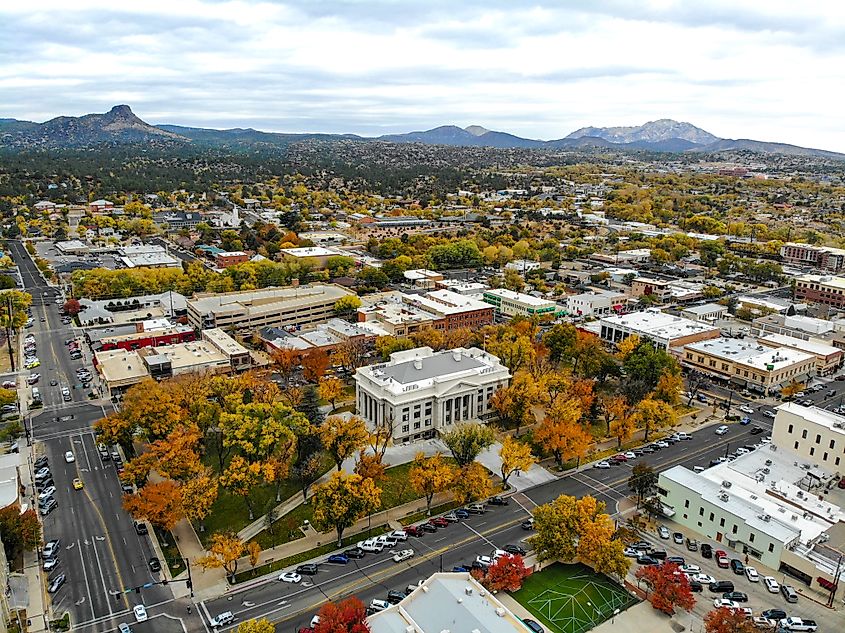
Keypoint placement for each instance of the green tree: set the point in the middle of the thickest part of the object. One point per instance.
(372, 278)
(13, 316)
(346, 305)
(643, 368)
(642, 482)
(467, 440)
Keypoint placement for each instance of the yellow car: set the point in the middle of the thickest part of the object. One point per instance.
(77, 484)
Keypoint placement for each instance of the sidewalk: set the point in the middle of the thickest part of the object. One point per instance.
(534, 476)
(206, 582)
(313, 538)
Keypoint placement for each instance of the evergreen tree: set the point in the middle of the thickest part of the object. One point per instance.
(310, 406)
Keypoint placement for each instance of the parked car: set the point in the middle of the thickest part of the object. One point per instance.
(498, 501)
(774, 614)
(476, 508)
(399, 535)
(290, 577)
(771, 584)
(678, 538)
(56, 583)
(155, 564)
(647, 560)
(461, 513)
(309, 569)
(736, 596)
(439, 522)
(528, 524)
(428, 526)
(141, 528)
(752, 574)
(692, 545)
(395, 597)
(50, 563)
(354, 552)
(515, 549)
(603, 464)
(338, 559)
(723, 561)
(534, 626)
(676, 560)
(737, 567)
(51, 548)
(724, 603)
(663, 532)
(721, 586)
(414, 530)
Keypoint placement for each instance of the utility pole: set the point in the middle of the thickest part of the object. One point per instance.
(190, 579)
(833, 590)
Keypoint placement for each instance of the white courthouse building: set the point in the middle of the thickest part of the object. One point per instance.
(423, 393)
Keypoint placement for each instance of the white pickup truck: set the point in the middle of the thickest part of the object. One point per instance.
(798, 624)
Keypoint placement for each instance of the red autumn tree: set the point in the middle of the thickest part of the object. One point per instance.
(669, 588)
(727, 621)
(349, 616)
(72, 307)
(506, 574)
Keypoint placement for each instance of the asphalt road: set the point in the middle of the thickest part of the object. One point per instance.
(100, 552)
(292, 606)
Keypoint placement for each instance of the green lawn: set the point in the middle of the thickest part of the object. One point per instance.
(395, 491)
(572, 598)
(230, 513)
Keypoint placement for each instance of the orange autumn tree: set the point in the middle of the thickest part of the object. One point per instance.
(160, 503)
(506, 574)
(561, 434)
(727, 621)
(668, 587)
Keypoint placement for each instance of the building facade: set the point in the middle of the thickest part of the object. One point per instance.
(823, 257)
(824, 289)
(746, 363)
(250, 310)
(814, 434)
(421, 393)
(595, 304)
(230, 258)
(510, 303)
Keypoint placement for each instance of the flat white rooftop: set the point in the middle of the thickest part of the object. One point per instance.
(518, 296)
(817, 349)
(749, 352)
(830, 281)
(658, 324)
(311, 251)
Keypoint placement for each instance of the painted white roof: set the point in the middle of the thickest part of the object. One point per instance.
(830, 281)
(657, 324)
(817, 349)
(519, 296)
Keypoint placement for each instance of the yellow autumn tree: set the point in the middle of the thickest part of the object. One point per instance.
(626, 346)
(655, 414)
(430, 475)
(225, 551)
(515, 456)
(262, 625)
(342, 500)
(669, 388)
(561, 435)
(471, 483)
(343, 437)
(330, 389)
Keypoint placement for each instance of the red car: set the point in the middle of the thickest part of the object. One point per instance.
(720, 553)
(413, 530)
(841, 483)
(723, 562)
(439, 522)
(621, 457)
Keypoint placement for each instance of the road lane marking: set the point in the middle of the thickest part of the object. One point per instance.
(103, 580)
(87, 584)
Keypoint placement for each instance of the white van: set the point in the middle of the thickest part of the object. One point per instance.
(36, 394)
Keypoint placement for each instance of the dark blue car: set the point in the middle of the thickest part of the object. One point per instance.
(461, 513)
(340, 559)
(460, 568)
(745, 420)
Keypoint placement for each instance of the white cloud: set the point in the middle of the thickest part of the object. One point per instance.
(767, 70)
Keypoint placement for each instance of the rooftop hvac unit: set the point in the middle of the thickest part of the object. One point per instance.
(726, 484)
(768, 462)
(766, 471)
(468, 591)
(500, 612)
(723, 497)
(782, 510)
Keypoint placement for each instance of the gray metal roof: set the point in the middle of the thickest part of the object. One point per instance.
(441, 364)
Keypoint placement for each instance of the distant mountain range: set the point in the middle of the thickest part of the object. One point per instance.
(120, 126)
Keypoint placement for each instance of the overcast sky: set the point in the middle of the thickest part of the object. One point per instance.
(772, 70)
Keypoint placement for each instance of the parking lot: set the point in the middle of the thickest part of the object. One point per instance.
(48, 251)
(759, 598)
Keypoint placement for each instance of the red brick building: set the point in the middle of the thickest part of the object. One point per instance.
(230, 258)
(824, 289)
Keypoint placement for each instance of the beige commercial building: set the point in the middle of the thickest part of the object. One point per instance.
(250, 310)
(816, 435)
(828, 358)
(663, 330)
(216, 353)
(748, 364)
